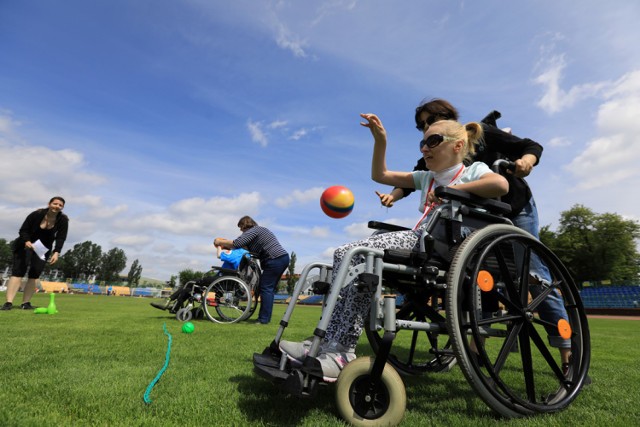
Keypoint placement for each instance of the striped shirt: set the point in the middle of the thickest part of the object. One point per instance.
(261, 241)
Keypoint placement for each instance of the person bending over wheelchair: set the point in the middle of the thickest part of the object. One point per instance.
(445, 146)
(230, 260)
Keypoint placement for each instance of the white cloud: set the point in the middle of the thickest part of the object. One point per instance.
(7, 123)
(257, 133)
(556, 99)
(132, 240)
(611, 158)
(287, 41)
(204, 249)
(358, 230)
(298, 134)
(33, 174)
(277, 124)
(300, 197)
(559, 141)
(103, 212)
(196, 216)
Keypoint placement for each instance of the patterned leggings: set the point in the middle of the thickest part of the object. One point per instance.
(346, 324)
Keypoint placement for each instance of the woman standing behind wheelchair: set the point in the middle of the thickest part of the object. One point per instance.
(274, 260)
(444, 147)
(525, 153)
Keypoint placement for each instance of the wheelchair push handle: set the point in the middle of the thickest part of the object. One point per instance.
(491, 118)
(503, 165)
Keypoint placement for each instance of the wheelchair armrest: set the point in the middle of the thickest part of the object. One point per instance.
(490, 205)
(223, 271)
(377, 225)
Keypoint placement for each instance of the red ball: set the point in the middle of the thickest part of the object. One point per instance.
(337, 201)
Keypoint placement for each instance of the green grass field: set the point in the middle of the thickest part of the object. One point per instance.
(90, 364)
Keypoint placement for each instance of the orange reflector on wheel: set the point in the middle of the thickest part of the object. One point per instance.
(485, 281)
(564, 328)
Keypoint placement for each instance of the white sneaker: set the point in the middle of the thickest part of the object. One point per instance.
(332, 362)
(297, 351)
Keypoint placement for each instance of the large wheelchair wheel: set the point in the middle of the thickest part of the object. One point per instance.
(363, 404)
(496, 332)
(417, 352)
(227, 300)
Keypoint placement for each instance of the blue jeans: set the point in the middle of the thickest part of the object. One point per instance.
(272, 270)
(552, 308)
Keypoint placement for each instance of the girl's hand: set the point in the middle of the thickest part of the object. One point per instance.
(386, 199)
(375, 126)
(432, 198)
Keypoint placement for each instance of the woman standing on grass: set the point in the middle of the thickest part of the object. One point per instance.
(44, 226)
(274, 260)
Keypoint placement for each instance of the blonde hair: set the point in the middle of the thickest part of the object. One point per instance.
(470, 133)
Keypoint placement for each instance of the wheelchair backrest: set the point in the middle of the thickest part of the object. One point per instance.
(249, 270)
(454, 220)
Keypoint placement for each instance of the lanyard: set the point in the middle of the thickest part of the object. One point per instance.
(428, 206)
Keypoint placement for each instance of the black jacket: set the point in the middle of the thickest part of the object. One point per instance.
(498, 144)
(31, 228)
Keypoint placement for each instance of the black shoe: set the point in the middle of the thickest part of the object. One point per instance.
(566, 370)
(6, 306)
(26, 306)
(160, 306)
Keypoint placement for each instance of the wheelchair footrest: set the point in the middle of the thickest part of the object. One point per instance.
(265, 360)
(268, 371)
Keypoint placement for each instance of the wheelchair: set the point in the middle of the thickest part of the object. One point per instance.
(224, 295)
(465, 300)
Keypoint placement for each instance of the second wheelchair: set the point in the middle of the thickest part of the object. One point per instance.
(222, 295)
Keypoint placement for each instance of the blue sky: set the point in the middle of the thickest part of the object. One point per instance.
(163, 122)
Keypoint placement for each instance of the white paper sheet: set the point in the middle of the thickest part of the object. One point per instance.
(40, 249)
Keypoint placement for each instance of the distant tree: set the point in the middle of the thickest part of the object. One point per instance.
(135, 272)
(82, 261)
(595, 247)
(291, 280)
(188, 274)
(6, 256)
(111, 264)
(172, 281)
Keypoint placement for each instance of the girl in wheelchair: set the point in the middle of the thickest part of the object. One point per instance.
(446, 144)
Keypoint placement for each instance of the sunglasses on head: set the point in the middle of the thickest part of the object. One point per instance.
(431, 120)
(434, 140)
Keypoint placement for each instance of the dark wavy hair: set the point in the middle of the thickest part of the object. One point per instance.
(57, 198)
(436, 107)
(246, 222)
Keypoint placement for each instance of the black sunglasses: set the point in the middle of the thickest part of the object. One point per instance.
(431, 120)
(434, 140)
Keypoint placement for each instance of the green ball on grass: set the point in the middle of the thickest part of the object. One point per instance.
(188, 328)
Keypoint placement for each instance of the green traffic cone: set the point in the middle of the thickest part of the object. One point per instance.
(52, 309)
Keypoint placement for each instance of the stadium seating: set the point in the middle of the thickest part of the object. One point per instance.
(611, 297)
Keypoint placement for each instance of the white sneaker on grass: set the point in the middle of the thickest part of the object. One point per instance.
(332, 363)
(298, 351)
